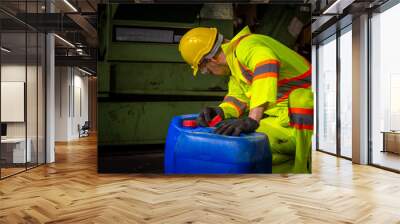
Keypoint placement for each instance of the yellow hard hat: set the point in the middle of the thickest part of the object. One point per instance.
(195, 44)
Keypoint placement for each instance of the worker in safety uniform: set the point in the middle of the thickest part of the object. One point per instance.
(268, 91)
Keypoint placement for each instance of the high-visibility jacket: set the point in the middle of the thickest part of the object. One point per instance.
(263, 70)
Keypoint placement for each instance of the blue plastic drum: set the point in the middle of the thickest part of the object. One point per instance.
(197, 150)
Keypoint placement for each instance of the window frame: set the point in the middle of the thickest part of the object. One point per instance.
(334, 37)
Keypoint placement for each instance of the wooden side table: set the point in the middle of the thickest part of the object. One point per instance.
(391, 141)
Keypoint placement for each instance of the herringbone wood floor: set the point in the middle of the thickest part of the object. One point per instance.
(71, 191)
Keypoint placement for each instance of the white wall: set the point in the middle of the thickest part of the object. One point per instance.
(62, 81)
(80, 102)
(70, 84)
(13, 101)
(12, 73)
(33, 127)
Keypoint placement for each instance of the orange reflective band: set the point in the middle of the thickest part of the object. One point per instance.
(240, 106)
(247, 70)
(302, 126)
(300, 77)
(276, 62)
(235, 106)
(286, 95)
(301, 111)
(266, 75)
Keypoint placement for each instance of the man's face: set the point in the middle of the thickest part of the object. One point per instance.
(215, 66)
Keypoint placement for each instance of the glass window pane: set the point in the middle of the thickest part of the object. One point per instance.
(31, 97)
(327, 96)
(346, 94)
(23, 85)
(14, 153)
(385, 88)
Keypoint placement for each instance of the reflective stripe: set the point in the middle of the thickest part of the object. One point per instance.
(276, 62)
(303, 76)
(286, 86)
(239, 105)
(285, 95)
(273, 66)
(301, 111)
(266, 75)
(266, 69)
(302, 126)
(302, 118)
(248, 75)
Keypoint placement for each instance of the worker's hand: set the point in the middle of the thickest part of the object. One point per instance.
(208, 114)
(236, 126)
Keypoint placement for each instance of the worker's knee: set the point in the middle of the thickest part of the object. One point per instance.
(281, 139)
(301, 98)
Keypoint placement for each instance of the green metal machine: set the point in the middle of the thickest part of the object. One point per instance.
(143, 81)
(283, 22)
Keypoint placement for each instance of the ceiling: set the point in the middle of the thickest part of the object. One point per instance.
(76, 22)
(72, 20)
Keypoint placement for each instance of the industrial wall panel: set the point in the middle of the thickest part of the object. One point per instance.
(164, 79)
(124, 123)
(225, 27)
(120, 51)
(144, 23)
(283, 23)
(103, 78)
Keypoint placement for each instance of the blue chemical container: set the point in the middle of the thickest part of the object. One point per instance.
(197, 150)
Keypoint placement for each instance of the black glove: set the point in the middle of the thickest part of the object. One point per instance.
(208, 114)
(236, 126)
